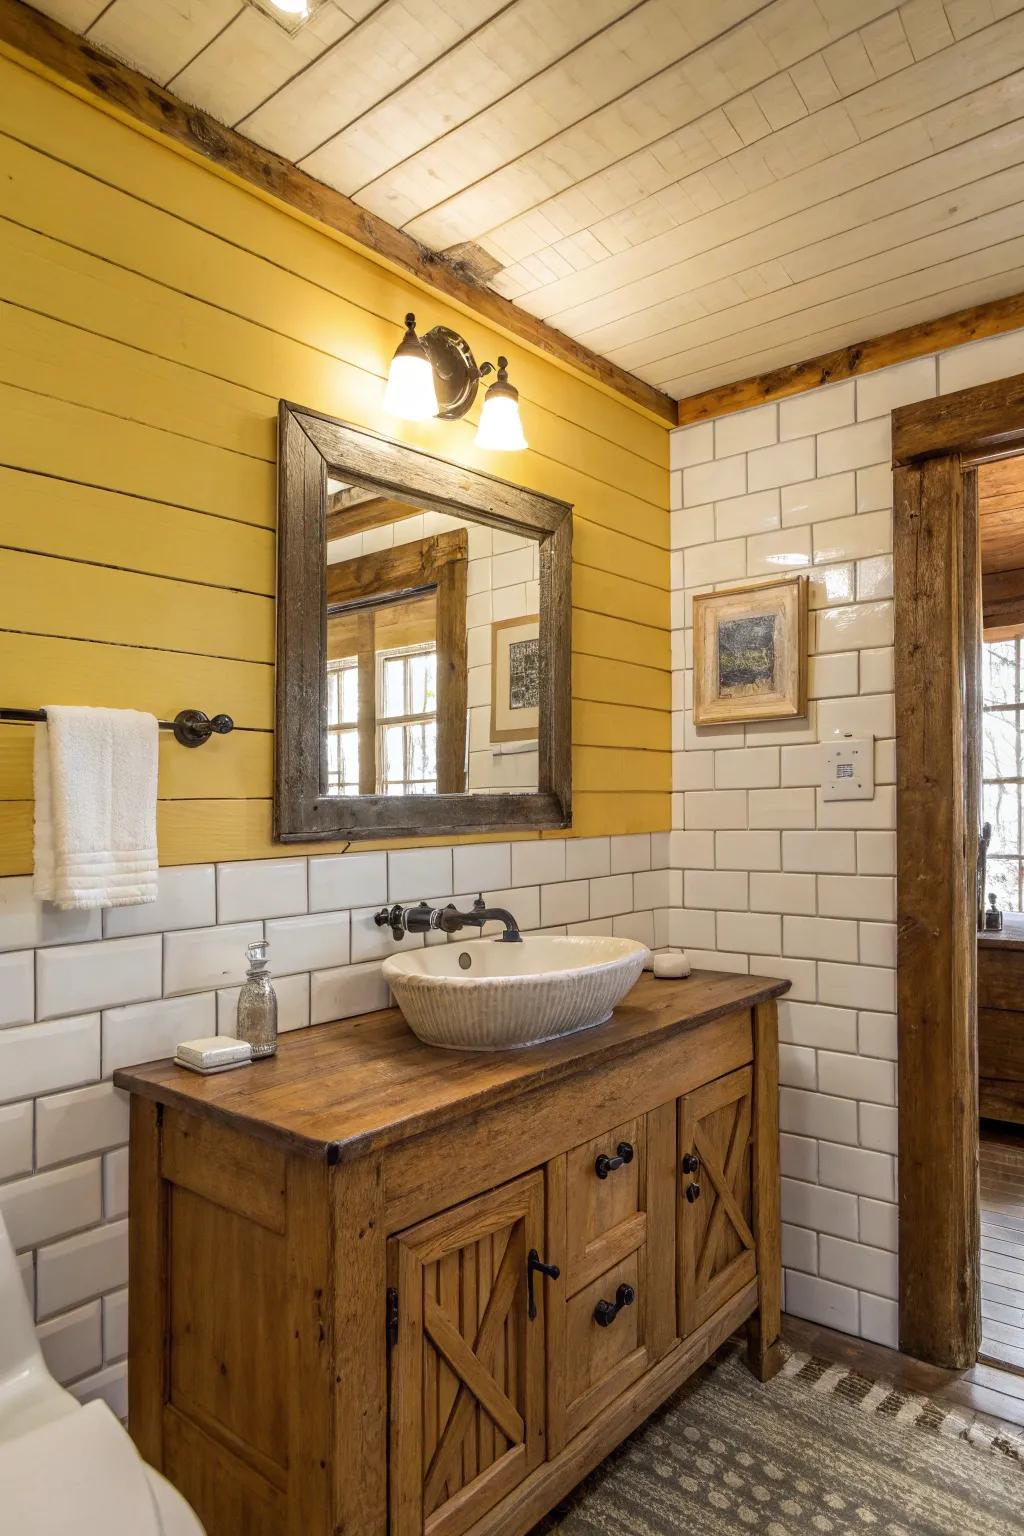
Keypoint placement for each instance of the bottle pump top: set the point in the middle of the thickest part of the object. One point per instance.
(257, 954)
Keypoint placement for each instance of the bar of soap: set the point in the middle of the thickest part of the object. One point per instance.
(671, 963)
(216, 1053)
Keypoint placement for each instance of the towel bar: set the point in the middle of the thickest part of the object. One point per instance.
(190, 726)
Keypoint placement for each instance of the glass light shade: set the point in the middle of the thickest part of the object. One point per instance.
(500, 428)
(292, 7)
(410, 389)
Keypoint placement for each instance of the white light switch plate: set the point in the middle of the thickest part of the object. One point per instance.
(849, 769)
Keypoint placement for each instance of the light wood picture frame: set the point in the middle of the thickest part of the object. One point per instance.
(515, 670)
(750, 652)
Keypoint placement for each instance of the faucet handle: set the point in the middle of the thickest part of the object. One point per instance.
(480, 905)
(393, 918)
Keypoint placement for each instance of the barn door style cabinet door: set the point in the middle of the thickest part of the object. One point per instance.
(466, 1281)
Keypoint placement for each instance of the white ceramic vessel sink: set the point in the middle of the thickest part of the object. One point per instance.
(486, 995)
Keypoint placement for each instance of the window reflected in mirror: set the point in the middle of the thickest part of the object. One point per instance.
(432, 656)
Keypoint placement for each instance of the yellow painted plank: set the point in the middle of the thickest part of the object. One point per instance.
(605, 549)
(601, 680)
(613, 768)
(605, 593)
(305, 351)
(45, 595)
(601, 815)
(52, 437)
(613, 725)
(235, 767)
(39, 670)
(84, 522)
(602, 634)
(205, 831)
(59, 360)
(15, 837)
(73, 130)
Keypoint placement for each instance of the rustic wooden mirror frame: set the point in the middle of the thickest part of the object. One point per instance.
(937, 587)
(310, 447)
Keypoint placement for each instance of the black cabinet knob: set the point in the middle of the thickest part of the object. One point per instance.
(691, 1163)
(692, 1192)
(605, 1165)
(606, 1312)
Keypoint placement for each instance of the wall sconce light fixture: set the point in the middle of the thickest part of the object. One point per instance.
(437, 375)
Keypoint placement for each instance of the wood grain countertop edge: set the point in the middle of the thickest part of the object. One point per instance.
(183, 1090)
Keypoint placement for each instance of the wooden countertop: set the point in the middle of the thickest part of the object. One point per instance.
(1011, 937)
(342, 1090)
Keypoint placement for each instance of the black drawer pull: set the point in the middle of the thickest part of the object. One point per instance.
(691, 1163)
(606, 1165)
(692, 1192)
(606, 1312)
(535, 1265)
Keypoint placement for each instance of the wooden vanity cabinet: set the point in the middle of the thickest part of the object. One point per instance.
(376, 1288)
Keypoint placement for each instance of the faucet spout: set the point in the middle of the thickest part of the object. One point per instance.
(423, 918)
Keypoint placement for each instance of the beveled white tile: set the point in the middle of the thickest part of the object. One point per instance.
(635, 925)
(202, 959)
(414, 871)
(742, 430)
(308, 943)
(630, 852)
(869, 442)
(259, 888)
(29, 924)
(15, 1139)
(42, 1058)
(186, 898)
(611, 896)
(151, 1031)
(49, 1205)
(342, 993)
(785, 464)
(714, 481)
(78, 1268)
(75, 978)
(72, 1344)
(115, 1325)
(17, 987)
(538, 862)
(565, 902)
(586, 858)
(481, 866)
(79, 1123)
(370, 942)
(339, 881)
(817, 410)
(882, 391)
(691, 445)
(809, 501)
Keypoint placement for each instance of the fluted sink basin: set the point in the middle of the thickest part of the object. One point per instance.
(486, 995)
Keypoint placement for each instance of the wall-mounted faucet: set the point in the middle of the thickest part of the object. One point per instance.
(423, 919)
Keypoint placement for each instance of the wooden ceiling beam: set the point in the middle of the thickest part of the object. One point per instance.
(74, 59)
(358, 517)
(964, 325)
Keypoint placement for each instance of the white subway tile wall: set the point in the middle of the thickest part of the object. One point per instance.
(807, 486)
(81, 996)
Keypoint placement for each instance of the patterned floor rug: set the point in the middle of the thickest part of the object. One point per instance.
(818, 1450)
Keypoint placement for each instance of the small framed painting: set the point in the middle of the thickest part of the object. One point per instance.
(515, 679)
(750, 653)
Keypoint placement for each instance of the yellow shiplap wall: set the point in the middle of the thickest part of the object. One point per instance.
(152, 313)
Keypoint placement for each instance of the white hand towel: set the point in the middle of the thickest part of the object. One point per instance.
(95, 814)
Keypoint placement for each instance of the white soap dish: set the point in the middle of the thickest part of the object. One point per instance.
(216, 1053)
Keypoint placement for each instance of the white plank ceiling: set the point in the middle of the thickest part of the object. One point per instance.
(698, 189)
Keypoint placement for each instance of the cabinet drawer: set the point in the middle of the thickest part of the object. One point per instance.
(602, 1360)
(605, 1204)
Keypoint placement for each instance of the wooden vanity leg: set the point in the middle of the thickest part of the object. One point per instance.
(764, 1348)
(361, 1387)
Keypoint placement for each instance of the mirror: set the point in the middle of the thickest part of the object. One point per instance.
(432, 664)
(423, 642)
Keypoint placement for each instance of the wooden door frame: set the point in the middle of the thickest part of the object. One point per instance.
(935, 445)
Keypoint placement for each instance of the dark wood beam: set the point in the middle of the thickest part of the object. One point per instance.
(972, 324)
(357, 517)
(1002, 601)
(77, 60)
(988, 419)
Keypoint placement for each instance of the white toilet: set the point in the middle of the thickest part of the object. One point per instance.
(38, 1412)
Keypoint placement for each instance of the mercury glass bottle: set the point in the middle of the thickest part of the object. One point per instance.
(257, 1003)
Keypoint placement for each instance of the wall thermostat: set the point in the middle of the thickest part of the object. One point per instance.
(849, 772)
